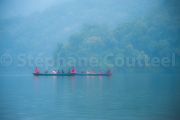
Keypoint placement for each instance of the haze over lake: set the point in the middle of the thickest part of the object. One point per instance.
(137, 40)
(127, 97)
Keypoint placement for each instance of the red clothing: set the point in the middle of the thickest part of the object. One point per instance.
(36, 70)
(73, 70)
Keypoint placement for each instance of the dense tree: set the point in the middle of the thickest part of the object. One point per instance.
(155, 34)
(143, 29)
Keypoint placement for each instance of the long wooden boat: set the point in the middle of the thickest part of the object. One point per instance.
(51, 74)
(95, 74)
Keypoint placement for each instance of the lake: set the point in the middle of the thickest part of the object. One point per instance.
(120, 96)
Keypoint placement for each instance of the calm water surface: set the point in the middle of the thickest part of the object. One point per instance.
(124, 96)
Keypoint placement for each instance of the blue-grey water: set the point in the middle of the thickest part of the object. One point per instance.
(123, 96)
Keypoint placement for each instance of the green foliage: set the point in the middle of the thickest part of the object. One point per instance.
(154, 31)
(156, 34)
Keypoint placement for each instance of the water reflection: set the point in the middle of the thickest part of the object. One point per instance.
(99, 94)
(73, 77)
(100, 80)
(54, 77)
(54, 81)
(98, 97)
(36, 77)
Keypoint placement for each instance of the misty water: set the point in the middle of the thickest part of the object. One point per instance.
(120, 96)
(139, 41)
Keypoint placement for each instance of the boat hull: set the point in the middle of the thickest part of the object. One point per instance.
(50, 74)
(71, 74)
(84, 74)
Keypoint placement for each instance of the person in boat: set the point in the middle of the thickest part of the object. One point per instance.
(87, 72)
(83, 71)
(108, 71)
(36, 70)
(93, 72)
(100, 72)
(69, 71)
(46, 71)
(73, 70)
(58, 72)
(62, 72)
(54, 72)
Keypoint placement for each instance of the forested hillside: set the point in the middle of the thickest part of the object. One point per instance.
(58, 22)
(156, 34)
(95, 28)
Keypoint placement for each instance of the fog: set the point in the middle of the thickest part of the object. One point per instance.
(126, 55)
(43, 28)
(12, 8)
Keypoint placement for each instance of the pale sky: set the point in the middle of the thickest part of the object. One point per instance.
(9, 8)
